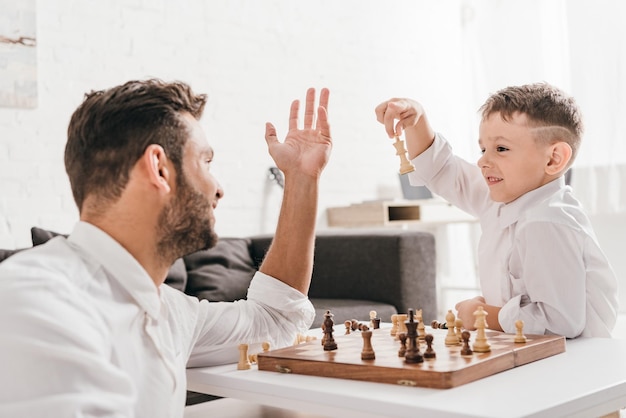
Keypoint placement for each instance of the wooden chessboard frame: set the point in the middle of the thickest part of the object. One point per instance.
(448, 370)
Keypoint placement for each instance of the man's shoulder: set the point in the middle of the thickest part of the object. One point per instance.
(46, 262)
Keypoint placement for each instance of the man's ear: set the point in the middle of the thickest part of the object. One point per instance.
(155, 162)
(559, 158)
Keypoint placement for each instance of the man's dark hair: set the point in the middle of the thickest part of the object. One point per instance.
(112, 128)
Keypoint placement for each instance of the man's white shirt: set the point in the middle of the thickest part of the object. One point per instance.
(85, 332)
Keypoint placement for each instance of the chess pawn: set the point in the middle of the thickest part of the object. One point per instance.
(466, 351)
(368, 351)
(519, 336)
(348, 325)
(373, 315)
(394, 325)
(402, 350)
(451, 338)
(458, 325)
(429, 353)
(480, 343)
(402, 323)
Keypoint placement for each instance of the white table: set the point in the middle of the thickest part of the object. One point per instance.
(588, 380)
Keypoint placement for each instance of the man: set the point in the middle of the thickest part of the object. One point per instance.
(88, 328)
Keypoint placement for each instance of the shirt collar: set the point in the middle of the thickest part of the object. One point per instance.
(509, 213)
(119, 264)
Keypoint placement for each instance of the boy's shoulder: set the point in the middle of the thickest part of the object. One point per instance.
(561, 207)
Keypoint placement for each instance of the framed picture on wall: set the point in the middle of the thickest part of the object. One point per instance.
(18, 54)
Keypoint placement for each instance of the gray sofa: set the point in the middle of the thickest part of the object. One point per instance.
(355, 271)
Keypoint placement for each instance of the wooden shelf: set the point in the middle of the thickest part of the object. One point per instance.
(394, 212)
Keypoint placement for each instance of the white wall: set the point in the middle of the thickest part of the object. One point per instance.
(252, 58)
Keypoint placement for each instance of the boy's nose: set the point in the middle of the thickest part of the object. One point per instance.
(482, 161)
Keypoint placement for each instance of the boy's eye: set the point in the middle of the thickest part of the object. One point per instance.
(482, 150)
(501, 149)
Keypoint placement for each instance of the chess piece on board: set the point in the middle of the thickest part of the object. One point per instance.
(253, 358)
(402, 350)
(374, 320)
(466, 351)
(394, 325)
(405, 164)
(244, 362)
(329, 340)
(451, 338)
(402, 323)
(300, 338)
(412, 354)
(368, 352)
(438, 325)
(519, 335)
(480, 343)
(348, 325)
(429, 353)
(458, 325)
(421, 330)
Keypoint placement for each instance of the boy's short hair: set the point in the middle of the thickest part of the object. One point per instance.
(112, 128)
(545, 106)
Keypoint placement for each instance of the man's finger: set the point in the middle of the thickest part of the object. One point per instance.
(293, 115)
(309, 109)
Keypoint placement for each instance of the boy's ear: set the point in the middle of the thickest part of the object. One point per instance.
(560, 156)
(155, 163)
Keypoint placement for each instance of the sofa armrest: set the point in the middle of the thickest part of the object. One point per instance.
(392, 266)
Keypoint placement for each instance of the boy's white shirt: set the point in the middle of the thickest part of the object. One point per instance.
(538, 257)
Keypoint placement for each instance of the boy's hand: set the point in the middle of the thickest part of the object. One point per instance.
(411, 119)
(408, 112)
(465, 311)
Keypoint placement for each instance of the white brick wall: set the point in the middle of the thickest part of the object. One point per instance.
(252, 58)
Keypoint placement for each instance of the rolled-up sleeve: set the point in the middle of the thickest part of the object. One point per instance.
(273, 312)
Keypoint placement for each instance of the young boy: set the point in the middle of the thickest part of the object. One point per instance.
(539, 259)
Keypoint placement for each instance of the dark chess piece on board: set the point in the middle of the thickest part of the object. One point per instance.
(402, 350)
(413, 354)
(438, 325)
(329, 340)
(429, 353)
(466, 350)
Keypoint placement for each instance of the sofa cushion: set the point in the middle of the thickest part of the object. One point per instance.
(41, 236)
(176, 276)
(221, 273)
(4, 254)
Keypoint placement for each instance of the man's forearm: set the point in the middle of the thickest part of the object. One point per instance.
(290, 257)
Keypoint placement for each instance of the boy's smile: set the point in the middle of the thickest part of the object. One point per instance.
(513, 162)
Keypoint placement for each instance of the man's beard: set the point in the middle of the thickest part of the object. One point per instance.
(185, 224)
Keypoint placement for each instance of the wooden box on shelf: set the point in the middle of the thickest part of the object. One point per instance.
(395, 212)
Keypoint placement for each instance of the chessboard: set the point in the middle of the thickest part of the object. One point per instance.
(447, 370)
